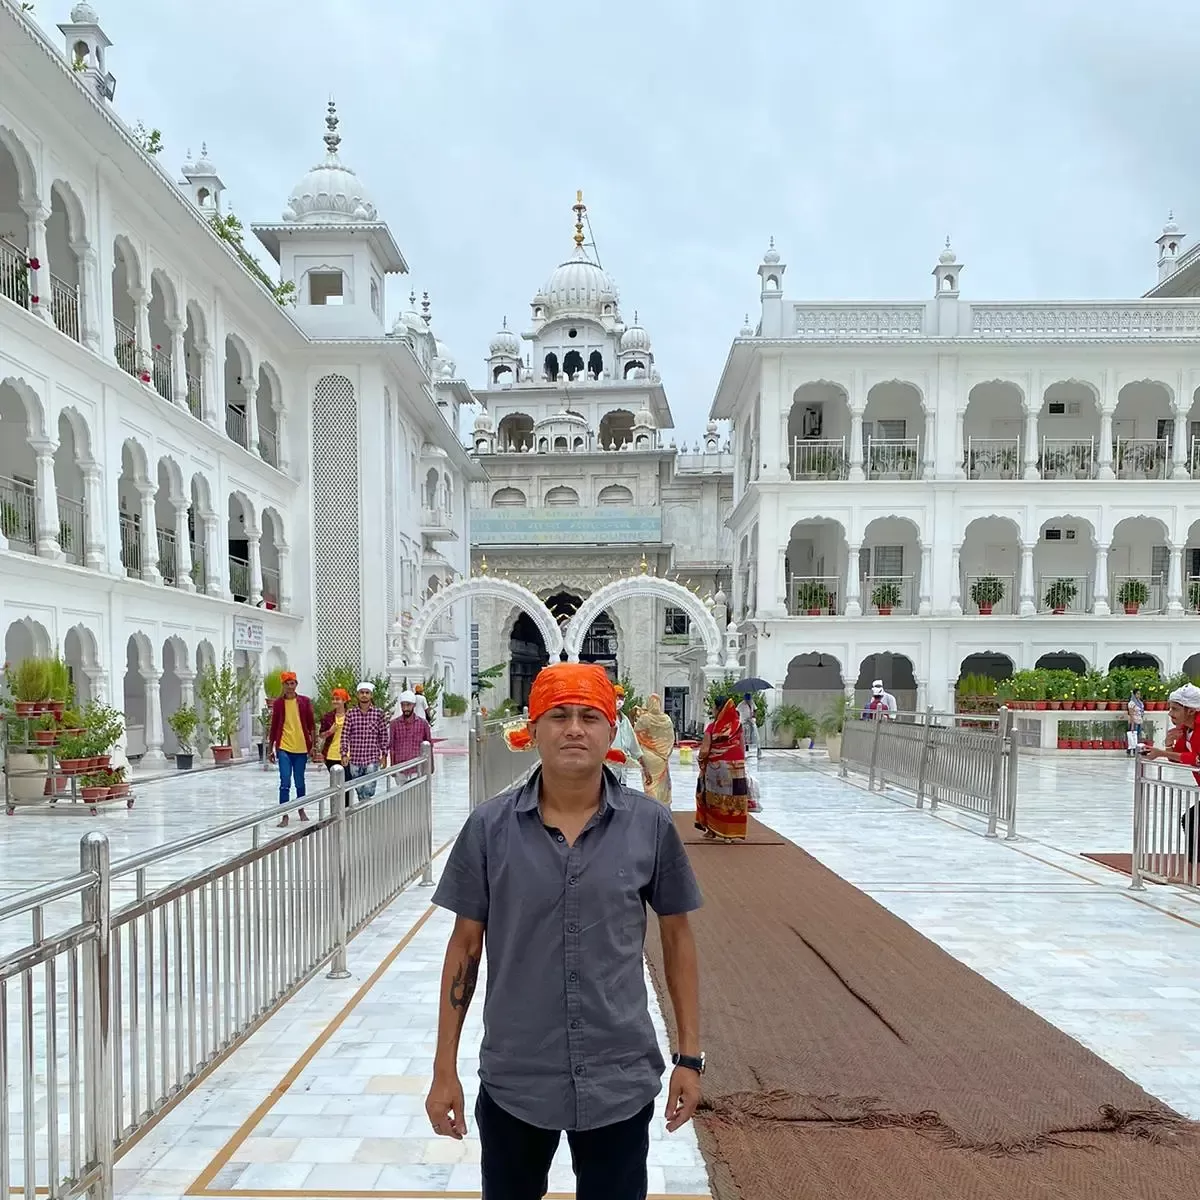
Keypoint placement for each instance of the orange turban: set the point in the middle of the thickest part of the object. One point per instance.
(287, 676)
(582, 684)
(340, 694)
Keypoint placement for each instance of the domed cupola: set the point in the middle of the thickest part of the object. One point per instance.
(577, 287)
(635, 338)
(331, 193)
(635, 358)
(644, 432)
(561, 433)
(483, 433)
(504, 358)
(444, 366)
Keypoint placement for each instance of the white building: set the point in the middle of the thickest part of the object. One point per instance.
(893, 455)
(193, 463)
(583, 487)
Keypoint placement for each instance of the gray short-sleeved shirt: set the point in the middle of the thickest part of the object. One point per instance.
(568, 1042)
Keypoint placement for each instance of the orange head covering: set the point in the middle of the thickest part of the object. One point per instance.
(287, 676)
(583, 684)
(340, 694)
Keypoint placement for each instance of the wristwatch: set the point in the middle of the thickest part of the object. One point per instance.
(693, 1063)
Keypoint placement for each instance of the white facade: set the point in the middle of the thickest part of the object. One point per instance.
(582, 487)
(899, 453)
(188, 466)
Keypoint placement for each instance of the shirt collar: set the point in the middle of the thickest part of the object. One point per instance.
(612, 793)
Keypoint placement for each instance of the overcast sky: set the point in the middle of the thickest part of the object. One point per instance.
(1048, 138)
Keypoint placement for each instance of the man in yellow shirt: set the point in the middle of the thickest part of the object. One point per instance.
(290, 741)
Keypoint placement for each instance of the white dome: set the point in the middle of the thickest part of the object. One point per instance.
(1171, 226)
(483, 422)
(84, 14)
(505, 342)
(947, 256)
(408, 322)
(331, 193)
(645, 418)
(443, 360)
(563, 418)
(635, 338)
(772, 255)
(577, 285)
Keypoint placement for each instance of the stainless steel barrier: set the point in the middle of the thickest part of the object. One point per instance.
(965, 761)
(1166, 825)
(118, 1014)
(492, 767)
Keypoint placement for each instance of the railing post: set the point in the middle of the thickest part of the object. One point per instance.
(427, 813)
(1013, 752)
(997, 773)
(874, 753)
(97, 1014)
(340, 892)
(926, 749)
(1136, 883)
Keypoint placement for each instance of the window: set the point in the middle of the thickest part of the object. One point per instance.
(562, 497)
(888, 561)
(676, 622)
(509, 497)
(375, 297)
(1160, 563)
(325, 287)
(890, 431)
(615, 494)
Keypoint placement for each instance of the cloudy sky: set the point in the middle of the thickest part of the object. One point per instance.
(1048, 138)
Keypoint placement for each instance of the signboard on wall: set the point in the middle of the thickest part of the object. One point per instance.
(248, 635)
(533, 526)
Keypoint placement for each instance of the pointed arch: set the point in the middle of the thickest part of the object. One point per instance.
(35, 412)
(26, 174)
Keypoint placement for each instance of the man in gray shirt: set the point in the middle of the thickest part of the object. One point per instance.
(555, 876)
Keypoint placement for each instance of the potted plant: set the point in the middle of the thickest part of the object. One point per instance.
(1194, 595)
(94, 787)
(183, 722)
(1060, 594)
(118, 787)
(813, 597)
(222, 692)
(454, 705)
(1133, 593)
(830, 726)
(791, 723)
(1008, 462)
(29, 683)
(72, 756)
(885, 596)
(102, 728)
(987, 591)
(45, 730)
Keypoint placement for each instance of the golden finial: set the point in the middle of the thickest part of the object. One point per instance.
(483, 565)
(579, 208)
(643, 562)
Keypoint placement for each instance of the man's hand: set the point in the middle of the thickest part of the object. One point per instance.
(271, 755)
(444, 1106)
(683, 1097)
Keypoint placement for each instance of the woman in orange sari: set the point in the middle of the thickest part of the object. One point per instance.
(722, 797)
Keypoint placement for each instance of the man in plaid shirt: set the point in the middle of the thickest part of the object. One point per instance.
(365, 740)
(408, 732)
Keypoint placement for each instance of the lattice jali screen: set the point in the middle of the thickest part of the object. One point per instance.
(336, 522)
(390, 503)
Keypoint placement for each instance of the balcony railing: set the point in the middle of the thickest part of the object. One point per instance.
(168, 560)
(813, 595)
(270, 587)
(993, 458)
(995, 594)
(268, 446)
(18, 514)
(1142, 458)
(817, 458)
(126, 348)
(1127, 592)
(14, 273)
(72, 529)
(64, 304)
(888, 593)
(195, 396)
(199, 568)
(235, 425)
(131, 547)
(160, 371)
(1064, 593)
(1068, 458)
(1191, 595)
(893, 458)
(239, 579)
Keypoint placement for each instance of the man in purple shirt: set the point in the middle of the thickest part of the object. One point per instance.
(409, 732)
(365, 740)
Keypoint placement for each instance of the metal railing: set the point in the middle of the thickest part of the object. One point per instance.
(124, 1008)
(1142, 458)
(813, 595)
(131, 546)
(1166, 825)
(268, 446)
(18, 514)
(64, 306)
(1064, 593)
(126, 348)
(160, 372)
(819, 458)
(1154, 587)
(199, 567)
(986, 586)
(168, 560)
(492, 767)
(893, 458)
(239, 579)
(1068, 458)
(14, 273)
(195, 396)
(270, 587)
(72, 528)
(889, 593)
(993, 458)
(235, 425)
(964, 761)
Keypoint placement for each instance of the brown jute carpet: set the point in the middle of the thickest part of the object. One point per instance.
(852, 1059)
(1175, 868)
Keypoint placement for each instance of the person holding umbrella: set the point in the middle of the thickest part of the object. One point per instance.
(747, 715)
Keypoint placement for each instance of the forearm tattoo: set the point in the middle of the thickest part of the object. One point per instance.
(462, 986)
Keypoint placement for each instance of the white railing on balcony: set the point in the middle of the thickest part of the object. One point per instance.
(888, 593)
(1068, 458)
(819, 458)
(981, 590)
(195, 396)
(126, 348)
(64, 304)
(1191, 594)
(72, 529)
(1064, 593)
(893, 458)
(270, 587)
(1142, 458)
(239, 579)
(18, 514)
(1127, 592)
(199, 569)
(168, 560)
(160, 371)
(1134, 319)
(855, 322)
(268, 446)
(235, 425)
(131, 546)
(14, 273)
(813, 595)
(993, 458)
(435, 517)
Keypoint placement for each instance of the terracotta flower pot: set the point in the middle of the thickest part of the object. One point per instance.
(58, 707)
(103, 761)
(44, 737)
(985, 610)
(73, 766)
(1064, 744)
(222, 754)
(814, 612)
(1040, 705)
(93, 793)
(1054, 705)
(885, 610)
(26, 708)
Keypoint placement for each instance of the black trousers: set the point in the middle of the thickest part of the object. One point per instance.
(610, 1163)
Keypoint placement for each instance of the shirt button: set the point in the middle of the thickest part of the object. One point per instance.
(572, 928)
(572, 977)
(576, 1024)
(573, 880)
(561, 838)
(578, 1070)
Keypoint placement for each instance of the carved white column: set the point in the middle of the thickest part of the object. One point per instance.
(284, 463)
(40, 298)
(285, 578)
(210, 402)
(929, 443)
(187, 687)
(254, 549)
(141, 325)
(93, 517)
(149, 534)
(47, 503)
(251, 415)
(1175, 582)
(752, 591)
(925, 608)
(853, 583)
(1031, 447)
(856, 445)
(216, 558)
(89, 309)
(1180, 451)
(154, 756)
(183, 549)
(956, 597)
(1100, 587)
(178, 365)
(1028, 601)
(1104, 458)
(960, 450)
